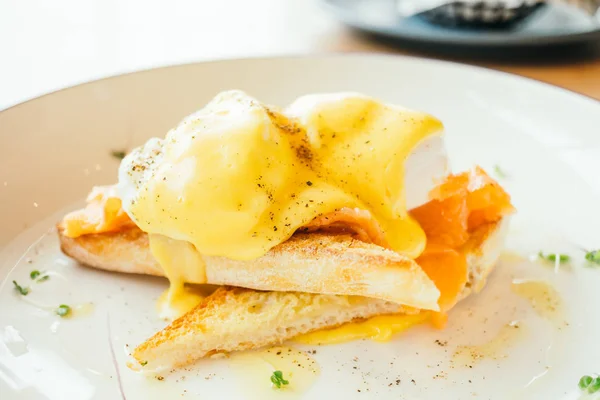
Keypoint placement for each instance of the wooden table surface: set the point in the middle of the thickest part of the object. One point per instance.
(574, 69)
(48, 45)
(580, 72)
(580, 76)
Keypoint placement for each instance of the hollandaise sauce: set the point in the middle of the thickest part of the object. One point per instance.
(181, 263)
(380, 328)
(239, 177)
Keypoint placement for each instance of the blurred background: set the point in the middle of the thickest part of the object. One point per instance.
(48, 45)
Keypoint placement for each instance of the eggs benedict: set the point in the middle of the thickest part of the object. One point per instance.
(339, 199)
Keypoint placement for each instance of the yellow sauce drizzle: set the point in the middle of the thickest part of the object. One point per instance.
(544, 299)
(495, 348)
(82, 310)
(254, 368)
(181, 263)
(239, 177)
(380, 329)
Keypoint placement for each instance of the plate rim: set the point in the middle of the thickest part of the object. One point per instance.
(323, 56)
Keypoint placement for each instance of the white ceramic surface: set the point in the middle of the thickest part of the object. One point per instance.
(54, 148)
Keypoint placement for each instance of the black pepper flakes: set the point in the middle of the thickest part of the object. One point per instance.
(303, 153)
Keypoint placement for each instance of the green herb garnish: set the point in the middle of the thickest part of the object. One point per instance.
(24, 291)
(63, 310)
(585, 381)
(499, 172)
(118, 154)
(593, 256)
(277, 379)
(594, 386)
(143, 363)
(562, 258)
(35, 275)
(589, 384)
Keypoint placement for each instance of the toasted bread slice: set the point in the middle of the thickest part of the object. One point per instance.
(234, 319)
(307, 262)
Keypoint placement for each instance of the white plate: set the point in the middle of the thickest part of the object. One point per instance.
(53, 149)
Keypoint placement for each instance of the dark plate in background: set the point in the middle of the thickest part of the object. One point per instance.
(553, 24)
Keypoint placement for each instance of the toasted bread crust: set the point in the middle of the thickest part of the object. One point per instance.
(312, 263)
(124, 251)
(234, 319)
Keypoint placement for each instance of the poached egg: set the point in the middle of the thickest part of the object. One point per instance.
(239, 177)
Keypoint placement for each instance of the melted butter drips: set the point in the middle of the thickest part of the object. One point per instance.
(176, 301)
(380, 329)
(171, 305)
(495, 348)
(512, 257)
(544, 299)
(82, 310)
(181, 263)
(254, 369)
